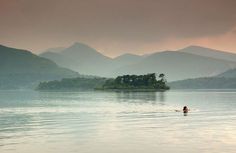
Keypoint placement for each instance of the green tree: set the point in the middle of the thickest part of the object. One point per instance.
(162, 77)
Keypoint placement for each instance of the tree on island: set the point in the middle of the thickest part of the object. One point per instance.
(162, 76)
(131, 82)
(147, 81)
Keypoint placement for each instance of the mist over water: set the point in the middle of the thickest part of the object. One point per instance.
(89, 122)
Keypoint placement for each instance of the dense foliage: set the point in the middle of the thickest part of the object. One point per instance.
(148, 81)
(72, 84)
(121, 82)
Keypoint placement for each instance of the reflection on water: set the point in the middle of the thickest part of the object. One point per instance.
(161, 96)
(141, 97)
(117, 122)
(136, 97)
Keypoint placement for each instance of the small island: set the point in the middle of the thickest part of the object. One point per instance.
(146, 82)
(79, 83)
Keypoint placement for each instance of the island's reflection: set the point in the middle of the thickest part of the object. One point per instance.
(141, 97)
(162, 97)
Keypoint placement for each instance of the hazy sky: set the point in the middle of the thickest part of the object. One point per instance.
(117, 26)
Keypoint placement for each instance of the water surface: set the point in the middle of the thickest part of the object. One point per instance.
(115, 122)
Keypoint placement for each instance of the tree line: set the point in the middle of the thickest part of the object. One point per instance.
(148, 81)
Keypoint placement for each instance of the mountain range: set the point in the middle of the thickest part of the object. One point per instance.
(225, 80)
(20, 68)
(190, 62)
(207, 52)
(228, 74)
(81, 58)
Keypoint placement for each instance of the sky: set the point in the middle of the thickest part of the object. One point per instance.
(114, 27)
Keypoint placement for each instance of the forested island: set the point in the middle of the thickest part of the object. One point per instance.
(146, 82)
(72, 84)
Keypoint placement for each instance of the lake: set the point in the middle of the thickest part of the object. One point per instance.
(118, 122)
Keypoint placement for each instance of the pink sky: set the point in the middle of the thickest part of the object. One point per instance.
(115, 27)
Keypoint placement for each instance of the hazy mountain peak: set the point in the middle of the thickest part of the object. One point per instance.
(194, 47)
(207, 52)
(127, 59)
(80, 45)
(54, 50)
(81, 58)
(80, 48)
(127, 55)
(199, 50)
(48, 54)
(190, 62)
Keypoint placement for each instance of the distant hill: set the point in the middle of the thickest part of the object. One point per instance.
(207, 52)
(226, 80)
(191, 62)
(56, 57)
(55, 50)
(177, 65)
(127, 59)
(81, 58)
(20, 69)
(204, 83)
(86, 60)
(228, 74)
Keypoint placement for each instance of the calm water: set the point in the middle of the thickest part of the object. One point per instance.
(117, 122)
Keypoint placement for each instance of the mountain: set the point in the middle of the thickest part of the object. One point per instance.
(86, 60)
(204, 83)
(81, 58)
(225, 80)
(177, 65)
(228, 74)
(55, 50)
(20, 68)
(127, 59)
(56, 57)
(207, 52)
